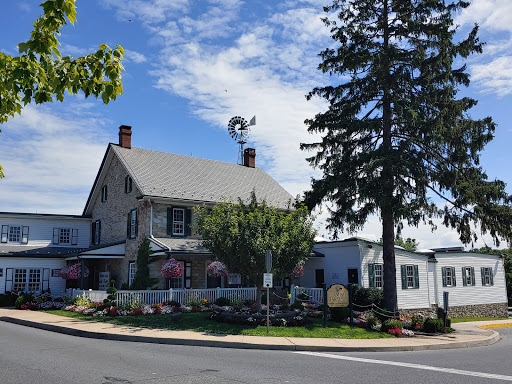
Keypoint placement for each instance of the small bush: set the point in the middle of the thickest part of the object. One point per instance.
(174, 303)
(222, 301)
(82, 300)
(297, 304)
(371, 322)
(22, 299)
(284, 307)
(194, 302)
(391, 324)
(367, 296)
(433, 325)
(339, 315)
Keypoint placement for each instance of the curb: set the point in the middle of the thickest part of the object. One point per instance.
(498, 325)
(492, 339)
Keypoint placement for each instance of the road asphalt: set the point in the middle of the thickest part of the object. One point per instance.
(470, 334)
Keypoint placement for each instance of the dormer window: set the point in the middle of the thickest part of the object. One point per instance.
(127, 184)
(104, 193)
(14, 234)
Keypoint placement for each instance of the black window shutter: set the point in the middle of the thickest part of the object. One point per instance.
(491, 276)
(404, 276)
(128, 229)
(106, 193)
(188, 222)
(93, 233)
(416, 277)
(454, 280)
(482, 272)
(5, 229)
(136, 222)
(169, 220)
(24, 235)
(74, 236)
(371, 281)
(8, 279)
(55, 235)
(464, 279)
(443, 272)
(188, 275)
(98, 224)
(472, 276)
(46, 279)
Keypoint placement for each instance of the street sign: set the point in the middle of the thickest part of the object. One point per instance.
(267, 280)
(337, 296)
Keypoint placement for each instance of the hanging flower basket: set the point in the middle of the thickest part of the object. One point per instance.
(73, 272)
(172, 268)
(217, 269)
(298, 271)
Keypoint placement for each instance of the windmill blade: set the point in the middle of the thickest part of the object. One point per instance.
(253, 121)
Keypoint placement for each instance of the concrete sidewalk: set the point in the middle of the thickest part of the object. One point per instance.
(467, 335)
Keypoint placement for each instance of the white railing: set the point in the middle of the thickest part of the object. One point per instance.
(96, 296)
(315, 295)
(183, 296)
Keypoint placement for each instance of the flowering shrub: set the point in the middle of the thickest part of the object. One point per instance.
(298, 271)
(73, 272)
(217, 269)
(172, 268)
(407, 332)
(395, 332)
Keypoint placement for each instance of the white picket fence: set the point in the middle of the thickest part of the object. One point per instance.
(315, 295)
(183, 296)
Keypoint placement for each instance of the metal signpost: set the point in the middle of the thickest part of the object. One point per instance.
(268, 283)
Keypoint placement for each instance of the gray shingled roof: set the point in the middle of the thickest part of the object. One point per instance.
(183, 245)
(38, 251)
(183, 177)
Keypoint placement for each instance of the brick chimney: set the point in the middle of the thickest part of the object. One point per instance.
(250, 157)
(125, 136)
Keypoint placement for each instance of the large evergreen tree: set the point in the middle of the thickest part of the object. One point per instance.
(395, 134)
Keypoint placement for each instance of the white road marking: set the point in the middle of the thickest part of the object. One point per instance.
(410, 365)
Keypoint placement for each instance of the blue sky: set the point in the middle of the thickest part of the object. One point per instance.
(192, 65)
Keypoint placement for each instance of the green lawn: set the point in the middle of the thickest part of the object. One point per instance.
(466, 319)
(199, 322)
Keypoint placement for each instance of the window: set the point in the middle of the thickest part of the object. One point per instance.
(375, 275)
(65, 236)
(104, 193)
(96, 232)
(178, 221)
(487, 277)
(27, 279)
(127, 184)
(468, 276)
(14, 234)
(132, 224)
(410, 277)
(448, 276)
(132, 270)
(183, 281)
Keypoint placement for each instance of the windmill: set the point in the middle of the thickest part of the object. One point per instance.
(238, 129)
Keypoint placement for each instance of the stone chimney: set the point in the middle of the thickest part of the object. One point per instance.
(250, 157)
(125, 136)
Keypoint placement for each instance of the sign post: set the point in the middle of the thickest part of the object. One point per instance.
(350, 297)
(267, 283)
(324, 286)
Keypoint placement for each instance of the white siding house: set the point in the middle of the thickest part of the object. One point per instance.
(475, 282)
(33, 248)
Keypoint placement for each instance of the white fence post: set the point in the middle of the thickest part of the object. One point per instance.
(292, 294)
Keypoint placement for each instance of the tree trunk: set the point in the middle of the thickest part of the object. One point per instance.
(387, 204)
(258, 297)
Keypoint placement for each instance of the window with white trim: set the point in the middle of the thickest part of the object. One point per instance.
(468, 276)
(178, 221)
(410, 276)
(30, 279)
(375, 275)
(176, 282)
(20, 280)
(132, 224)
(14, 234)
(487, 278)
(131, 272)
(65, 236)
(448, 274)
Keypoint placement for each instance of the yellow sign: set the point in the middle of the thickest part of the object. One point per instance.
(337, 296)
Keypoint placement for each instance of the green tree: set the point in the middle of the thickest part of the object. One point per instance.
(142, 279)
(407, 244)
(40, 72)
(239, 235)
(395, 134)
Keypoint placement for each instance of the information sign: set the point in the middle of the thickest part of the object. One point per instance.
(104, 279)
(337, 296)
(267, 280)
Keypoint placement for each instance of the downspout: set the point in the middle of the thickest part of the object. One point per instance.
(150, 218)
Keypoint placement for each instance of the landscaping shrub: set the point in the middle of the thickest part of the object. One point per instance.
(22, 299)
(371, 322)
(367, 296)
(284, 307)
(417, 323)
(297, 304)
(222, 301)
(174, 303)
(433, 325)
(391, 324)
(339, 315)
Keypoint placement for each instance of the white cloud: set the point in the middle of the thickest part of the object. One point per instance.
(134, 56)
(148, 12)
(493, 15)
(495, 76)
(52, 156)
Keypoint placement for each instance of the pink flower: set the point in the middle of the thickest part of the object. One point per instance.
(73, 272)
(172, 268)
(298, 271)
(217, 269)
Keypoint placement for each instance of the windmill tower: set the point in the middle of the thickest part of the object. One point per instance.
(238, 129)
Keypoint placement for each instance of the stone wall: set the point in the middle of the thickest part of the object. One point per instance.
(198, 276)
(425, 312)
(481, 310)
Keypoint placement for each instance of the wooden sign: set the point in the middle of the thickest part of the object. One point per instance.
(104, 279)
(337, 296)
(55, 272)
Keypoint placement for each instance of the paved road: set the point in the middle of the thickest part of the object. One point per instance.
(33, 356)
